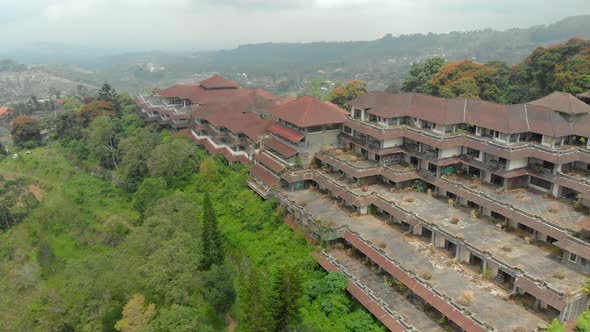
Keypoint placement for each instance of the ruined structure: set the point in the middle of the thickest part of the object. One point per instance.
(443, 213)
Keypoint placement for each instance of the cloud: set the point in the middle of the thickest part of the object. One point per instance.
(198, 24)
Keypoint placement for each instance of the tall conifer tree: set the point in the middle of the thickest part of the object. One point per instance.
(212, 239)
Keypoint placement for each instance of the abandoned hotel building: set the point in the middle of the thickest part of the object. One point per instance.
(454, 214)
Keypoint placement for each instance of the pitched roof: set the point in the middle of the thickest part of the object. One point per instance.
(5, 110)
(218, 82)
(286, 132)
(264, 175)
(269, 162)
(280, 147)
(182, 91)
(563, 102)
(308, 111)
(543, 116)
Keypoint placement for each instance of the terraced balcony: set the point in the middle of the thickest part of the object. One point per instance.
(438, 279)
(562, 154)
(410, 313)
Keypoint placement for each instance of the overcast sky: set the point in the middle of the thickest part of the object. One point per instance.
(211, 24)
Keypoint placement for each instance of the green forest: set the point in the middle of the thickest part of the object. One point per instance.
(562, 67)
(110, 225)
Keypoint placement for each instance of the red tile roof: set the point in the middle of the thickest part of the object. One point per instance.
(182, 91)
(5, 110)
(264, 175)
(280, 147)
(583, 223)
(286, 132)
(308, 111)
(542, 116)
(180, 116)
(269, 162)
(240, 113)
(59, 102)
(218, 82)
(563, 102)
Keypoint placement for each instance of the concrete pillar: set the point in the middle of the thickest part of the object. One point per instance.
(439, 241)
(557, 169)
(537, 304)
(417, 230)
(462, 201)
(458, 251)
(363, 210)
(556, 190)
(493, 269)
(433, 237)
(488, 177)
(512, 223)
(465, 255)
(484, 265)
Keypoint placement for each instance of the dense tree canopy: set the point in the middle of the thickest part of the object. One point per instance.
(471, 80)
(343, 94)
(121, 249)
(421, 74)
(26, 131)
(564, 67)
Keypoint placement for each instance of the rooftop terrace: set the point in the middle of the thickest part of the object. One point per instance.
(556, 211)
(402, 305)
(490, 302)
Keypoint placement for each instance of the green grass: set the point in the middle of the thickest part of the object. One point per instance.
(79, 210)
(72, 218)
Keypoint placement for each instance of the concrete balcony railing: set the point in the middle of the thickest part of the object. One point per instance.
(389, 317)
(465, 319)
(517, 150)
(534, 285)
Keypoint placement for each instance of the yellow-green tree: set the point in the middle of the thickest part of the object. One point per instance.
(136, 315)
(345, 93)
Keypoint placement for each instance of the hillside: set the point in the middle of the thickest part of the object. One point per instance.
(561, 67)
(510, 46)
(284, 68)
(85, 242)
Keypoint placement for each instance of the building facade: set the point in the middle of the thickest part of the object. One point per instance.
(474, 211)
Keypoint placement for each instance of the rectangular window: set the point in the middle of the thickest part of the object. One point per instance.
(333, 126)
(540, 182)
(314, 129)
(573, 257)
(347, 130)
(514, 138)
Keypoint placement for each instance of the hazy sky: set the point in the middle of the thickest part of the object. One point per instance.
(208, 24)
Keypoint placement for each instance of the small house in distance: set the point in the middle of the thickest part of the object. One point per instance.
(5, 111)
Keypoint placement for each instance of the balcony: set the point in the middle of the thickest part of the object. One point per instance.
(531, 204)
(411, 147)
(409, 258)
(496, 164)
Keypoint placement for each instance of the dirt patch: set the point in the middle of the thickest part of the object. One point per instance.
(231, 323)
(36, 191)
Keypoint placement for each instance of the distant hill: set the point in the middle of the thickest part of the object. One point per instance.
(511, 46)
(285, 68)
